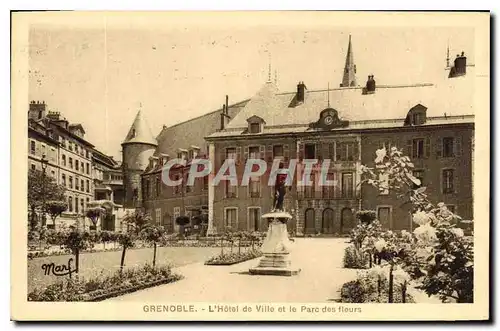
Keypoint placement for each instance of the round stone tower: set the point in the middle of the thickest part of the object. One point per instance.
(137, 148)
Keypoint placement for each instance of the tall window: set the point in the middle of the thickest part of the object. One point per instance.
(70, 145)
(71, 163)
(328, 191)
(254, 152)
(87, 153)
(205, 182)
(254, 219)
(310, 151)
(346, 151)
(448, 186)
(231, 153)
(76, 184)
(76, 165)
(70, 182)
(278, 151)
(448, 144)
(230, 190)
(88, 186)
(76, 205)
(231, 218)
(88, 169)
(384, 217)
(418, 118)
(177, 188)
(347, 185)
(70, 203)
(158, 216)
(63, 180)
(32, 147)
(82, 185)
(254, 186)
(418, 148)
(63, 160)
(311, 187)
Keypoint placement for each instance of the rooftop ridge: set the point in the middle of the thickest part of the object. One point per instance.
(209, 113)
(361, 87)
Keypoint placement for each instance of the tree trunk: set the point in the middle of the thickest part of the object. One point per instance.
(122, 262)
(77, 262)
(239, 247)
(154, 254)
(403, 292)
(391, 286)
(221, 245)
(370, 259)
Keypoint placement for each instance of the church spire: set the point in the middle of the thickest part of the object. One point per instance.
(349, 77)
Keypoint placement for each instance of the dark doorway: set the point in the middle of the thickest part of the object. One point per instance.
(328, 223)
(310, 222)
(347, 221)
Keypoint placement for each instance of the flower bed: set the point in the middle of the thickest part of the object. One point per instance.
(101, 288)
(233, 258)
(354, 258)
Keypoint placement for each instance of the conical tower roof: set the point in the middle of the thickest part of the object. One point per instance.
(140, 132)
(349, 77)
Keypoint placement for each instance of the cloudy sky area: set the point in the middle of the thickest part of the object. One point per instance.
(99, 76)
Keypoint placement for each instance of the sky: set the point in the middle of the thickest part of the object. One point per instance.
(101, 75)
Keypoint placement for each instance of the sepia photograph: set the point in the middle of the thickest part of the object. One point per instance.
(250, 165)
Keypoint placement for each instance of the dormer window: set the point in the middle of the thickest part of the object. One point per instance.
(255, 124)
(194, 151)
(254, 128)
(182, 153)
(416, 116)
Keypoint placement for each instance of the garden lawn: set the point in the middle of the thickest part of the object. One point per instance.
(93, 264)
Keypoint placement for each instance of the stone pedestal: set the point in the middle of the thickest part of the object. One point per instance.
(276, 248)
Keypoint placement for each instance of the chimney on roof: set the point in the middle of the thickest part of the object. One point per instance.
(301, 92)
(37, 110)
(460, 64)
(224, 116)
(370, 85)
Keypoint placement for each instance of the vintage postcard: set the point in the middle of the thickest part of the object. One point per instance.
(239, 166)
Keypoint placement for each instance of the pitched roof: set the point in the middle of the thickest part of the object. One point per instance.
(140, 132)
(447, 98)
(193, 131)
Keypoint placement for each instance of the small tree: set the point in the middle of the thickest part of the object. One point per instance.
(137, 220)
(55, 209)
(76, 241)
(106, 237)
(94, 213)
(182, 221)
(126, 240)
(153, 234)
(42, 188)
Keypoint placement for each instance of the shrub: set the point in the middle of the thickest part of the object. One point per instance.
(354, 258)
(233, 258)
(368, 288)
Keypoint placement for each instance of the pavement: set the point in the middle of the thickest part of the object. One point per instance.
(320, 279)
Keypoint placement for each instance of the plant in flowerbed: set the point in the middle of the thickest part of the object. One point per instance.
(104, 287)
(243, 253)
(436, 257)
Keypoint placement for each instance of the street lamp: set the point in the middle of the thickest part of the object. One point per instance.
(44, 162)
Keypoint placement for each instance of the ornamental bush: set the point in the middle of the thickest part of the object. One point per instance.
(354, 258)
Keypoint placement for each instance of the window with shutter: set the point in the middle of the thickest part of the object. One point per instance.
(448, 146)
(439, 147)
(286, 152)
(427, 147)
(458, 146)
(238, 155)
(301, 151)
(269, 153)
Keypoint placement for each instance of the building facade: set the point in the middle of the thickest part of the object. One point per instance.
(433, 123)
(72, 161)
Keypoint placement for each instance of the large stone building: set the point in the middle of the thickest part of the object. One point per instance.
(432, 121)
(72, 159)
